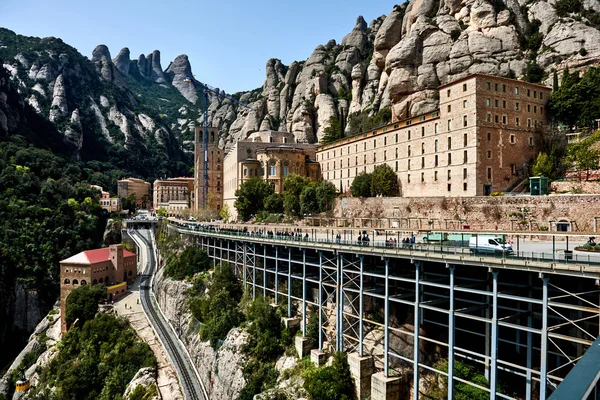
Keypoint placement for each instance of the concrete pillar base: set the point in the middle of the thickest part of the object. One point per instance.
(384, 387)
(303, 346)
(291, 323)
(361, 368)
(318, 357)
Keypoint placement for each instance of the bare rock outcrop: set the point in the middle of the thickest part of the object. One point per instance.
(122, 62)
(74, 131)
(181, 72)
(59, 106)
(145, 377)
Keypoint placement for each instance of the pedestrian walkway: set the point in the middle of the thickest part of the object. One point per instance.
(130, 307)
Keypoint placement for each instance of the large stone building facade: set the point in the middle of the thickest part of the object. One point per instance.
(480, 140)
(137, 187)
(267, 155)
(112, 266)
(173, 195)
(211, 195)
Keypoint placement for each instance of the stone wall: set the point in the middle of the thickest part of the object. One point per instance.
(504, 213)
(584, 187)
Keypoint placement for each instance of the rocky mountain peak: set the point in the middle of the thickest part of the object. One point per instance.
(122, 61)
(154, 70)
(180, 71)
(100, 53)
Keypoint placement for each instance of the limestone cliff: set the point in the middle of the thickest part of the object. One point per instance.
(396, 60)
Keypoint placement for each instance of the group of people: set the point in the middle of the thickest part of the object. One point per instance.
(363, 239)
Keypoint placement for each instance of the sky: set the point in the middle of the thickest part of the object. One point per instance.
(228, 42)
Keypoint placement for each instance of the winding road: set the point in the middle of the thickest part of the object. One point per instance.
(188, 377)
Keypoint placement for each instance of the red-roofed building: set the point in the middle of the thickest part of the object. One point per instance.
(111, 266)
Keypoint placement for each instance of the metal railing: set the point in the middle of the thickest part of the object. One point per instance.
(459, 248)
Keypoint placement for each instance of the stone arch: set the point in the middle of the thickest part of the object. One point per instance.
(94, 282)
(106, 279)
(75, 282)
(67, 281)
(101, 280)
(83, 282)
(130, 273)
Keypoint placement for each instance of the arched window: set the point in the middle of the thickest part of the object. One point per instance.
(75, 282)
(83, 282)
(94, 282)
(106, 279)
(67, 281)
(101, 280)
(130, 273)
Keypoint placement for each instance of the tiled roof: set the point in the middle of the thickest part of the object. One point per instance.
(94, 256)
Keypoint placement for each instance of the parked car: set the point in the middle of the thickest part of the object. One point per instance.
(489, 244)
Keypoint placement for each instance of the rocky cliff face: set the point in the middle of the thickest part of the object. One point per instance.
(220, 371)
(400, 59)
(395, 61)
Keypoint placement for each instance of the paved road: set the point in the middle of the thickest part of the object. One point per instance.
(190, 382)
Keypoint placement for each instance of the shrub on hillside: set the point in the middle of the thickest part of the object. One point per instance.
(191, 261)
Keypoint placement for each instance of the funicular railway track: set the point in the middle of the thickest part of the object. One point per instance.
(189, 383)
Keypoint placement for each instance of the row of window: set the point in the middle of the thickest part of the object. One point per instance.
(503, 119)
(502, 104)
(503, 87)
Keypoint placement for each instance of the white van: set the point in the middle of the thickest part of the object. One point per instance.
(489, 244)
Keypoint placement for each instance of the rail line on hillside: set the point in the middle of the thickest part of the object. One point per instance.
(185, 371)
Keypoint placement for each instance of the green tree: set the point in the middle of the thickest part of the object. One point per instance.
(129, 203)
(274, 203)
(330, 382)
(218, 309)
(96, 361)
(265, 330)
(361, 185)
(333, 132)
(292, 189)
(162, 212)
(543, 165)
(251, 196)
(533, 72)
(308, 200)
(82, 303)
(584, 159)
(326, 193)
(224, 213)
(384, 181)
(191, 261)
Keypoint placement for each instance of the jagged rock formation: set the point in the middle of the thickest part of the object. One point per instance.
(181, 72)
(122, 61)
(396, 61)
(59, 106)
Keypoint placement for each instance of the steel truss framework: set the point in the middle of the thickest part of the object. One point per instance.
(525, 330)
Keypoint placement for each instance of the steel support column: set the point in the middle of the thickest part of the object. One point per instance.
(417, 320)
(544, 340)
(254, 274)
(265, 270)
(451, 337)
(289, 282)
(386, 326)
(340, 303)
(303, 292)
(320, 301)
(494, 344)
(276, 274)
(529, 381)
(361, 309)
